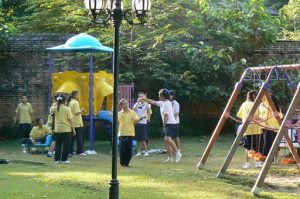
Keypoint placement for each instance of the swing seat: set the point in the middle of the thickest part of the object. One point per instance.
(292, 161)
(288, 161)
(257, 156)
(251, 153)
(262, 158)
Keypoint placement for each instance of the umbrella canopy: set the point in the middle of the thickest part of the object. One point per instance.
(82, 43)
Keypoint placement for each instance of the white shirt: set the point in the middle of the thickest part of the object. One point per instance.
(166, 108)
(141, 111)
(176, 109)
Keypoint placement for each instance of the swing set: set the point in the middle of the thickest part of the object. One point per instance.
(272, 73)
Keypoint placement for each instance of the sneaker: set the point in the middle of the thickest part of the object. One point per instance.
(82, 154)
(49, 154)
(66, 162)
(246, 165)
(178, 156)
(259, 164)
(138, 154)
(146, 154)
(169, 159)
(56, 162)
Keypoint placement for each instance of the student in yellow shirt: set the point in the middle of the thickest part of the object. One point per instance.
(251, 136)
(270, 122)
(78, 124)
(63, 128)
(38, 133)
(24, 117)
(127, 119)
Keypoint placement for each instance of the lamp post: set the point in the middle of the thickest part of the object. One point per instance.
(113, 10)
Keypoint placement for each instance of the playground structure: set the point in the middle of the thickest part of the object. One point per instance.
(94, 88)
(273, 73)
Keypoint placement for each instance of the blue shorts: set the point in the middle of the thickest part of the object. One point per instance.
(170, 130)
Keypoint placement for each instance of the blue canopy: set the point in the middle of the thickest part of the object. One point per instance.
(82, 43)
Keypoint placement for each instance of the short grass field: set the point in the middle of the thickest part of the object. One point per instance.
(36, 176)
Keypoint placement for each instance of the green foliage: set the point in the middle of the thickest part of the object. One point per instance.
(196, 48)
(7, 20)
(291, 12)
(64, 16)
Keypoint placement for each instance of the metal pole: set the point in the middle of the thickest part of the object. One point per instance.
(50, 82)
(283, 128)
(117, 16)
(91, 101)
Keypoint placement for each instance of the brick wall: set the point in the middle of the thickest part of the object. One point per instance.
(281, 51)
(24, 69)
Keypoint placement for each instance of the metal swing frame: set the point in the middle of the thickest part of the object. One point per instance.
(284, 124)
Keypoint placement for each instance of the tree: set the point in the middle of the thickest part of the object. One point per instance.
(54, 16)
(7, 20)
(291, 12)
(196, 48)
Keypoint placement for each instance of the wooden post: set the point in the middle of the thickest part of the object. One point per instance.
(283, 128)
(222, 120)
(285, 133)
(245, 125)
(220, 125)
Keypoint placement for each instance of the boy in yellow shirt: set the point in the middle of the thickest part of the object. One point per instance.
(38, 133)
(127, 119)
(24, 116)
(78, 124)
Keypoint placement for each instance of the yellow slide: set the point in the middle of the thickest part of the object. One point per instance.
(66, 82)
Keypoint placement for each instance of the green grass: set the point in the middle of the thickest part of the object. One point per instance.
(88, 176)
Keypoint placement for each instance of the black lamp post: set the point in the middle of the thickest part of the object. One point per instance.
(113, 10)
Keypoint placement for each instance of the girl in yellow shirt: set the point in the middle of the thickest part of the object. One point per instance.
(251, 136)
(270, 123)
(63, 127)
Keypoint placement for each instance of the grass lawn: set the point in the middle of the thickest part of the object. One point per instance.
(149, 177)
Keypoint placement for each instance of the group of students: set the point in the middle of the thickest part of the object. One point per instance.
(133, 125)
(64, 121)
(260, 135)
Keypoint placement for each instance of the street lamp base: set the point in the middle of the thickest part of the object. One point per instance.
(91, 152)
(114, 189)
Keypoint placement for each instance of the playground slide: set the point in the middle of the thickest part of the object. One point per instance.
(66, 82)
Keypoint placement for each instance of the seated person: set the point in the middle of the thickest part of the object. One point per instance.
(50, 125)
(38, 133)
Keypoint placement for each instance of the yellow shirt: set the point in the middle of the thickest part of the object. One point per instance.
(126, 122)
(24, 111)
(243, 113)
(49, 122)
(37, 132)
(265, 112)
(75, 108)
(62, 119)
